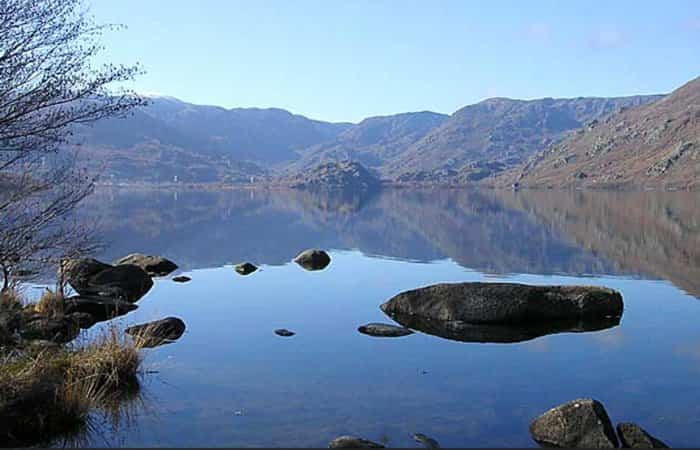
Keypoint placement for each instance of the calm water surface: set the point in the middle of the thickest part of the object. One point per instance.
(229, 381)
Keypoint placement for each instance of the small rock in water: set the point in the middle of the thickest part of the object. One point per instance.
(313, 259)
(245, 268)
(384, 330)
(581, 423)
(426, 441)
(182, 279)
(634, 436)
(156, 333)
(284, 332)
(352, 442)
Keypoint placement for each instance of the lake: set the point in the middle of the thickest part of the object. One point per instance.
(230, 381)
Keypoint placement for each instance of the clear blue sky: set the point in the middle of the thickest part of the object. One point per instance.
(350, 59)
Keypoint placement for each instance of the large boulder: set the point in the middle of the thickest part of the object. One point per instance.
(126, 282)
(159, 332)
(634, 436)
(505, 303)
(383, 330)
(581, 423)
(79, 271)
(353, 442)
(90, 277)
(313, 259)
(155, 266)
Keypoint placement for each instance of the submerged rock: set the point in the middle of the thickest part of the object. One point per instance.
(158, 332)
(426, 441)
(155, 266)
(634, 436)
(50, 329)
(100, 308)
(581, 423)
(284, 332)
(182, 279)
(456, 330)
(383, 330)
(245, 268)
(90, 277)
(83, 319)
(313, 259)
(353, 442)
(505, 303)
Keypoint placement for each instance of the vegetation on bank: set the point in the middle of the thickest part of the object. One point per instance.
(48, 390)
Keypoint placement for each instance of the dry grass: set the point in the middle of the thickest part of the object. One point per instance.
(50, 304)
(10, 299)
(51, 391)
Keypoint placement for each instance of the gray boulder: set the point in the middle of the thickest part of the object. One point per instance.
(155, 266)
(634, 436)
(245, 268)
(383, 330)
(126, 282)
(79, 271)
(505, 303)
(158, 332)
(313, 259)
(581, 423)
(352, 442)
(90, 277)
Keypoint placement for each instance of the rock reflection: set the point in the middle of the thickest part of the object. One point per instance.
(502, 334)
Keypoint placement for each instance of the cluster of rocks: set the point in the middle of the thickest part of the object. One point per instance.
(584, 423)
(104, 291)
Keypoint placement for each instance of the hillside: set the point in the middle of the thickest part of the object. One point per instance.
(651, 146)
(374, 140)
(171, 138)
(491, 136)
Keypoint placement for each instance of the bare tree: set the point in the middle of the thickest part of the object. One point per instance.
(49, 86)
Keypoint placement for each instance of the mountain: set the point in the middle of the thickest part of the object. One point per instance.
(496, 134)
(652, 146)
(169, 138)
(374, 140)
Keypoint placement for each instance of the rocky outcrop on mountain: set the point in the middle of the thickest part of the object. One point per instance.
(481, 140)
(651, 146)
(346, 175)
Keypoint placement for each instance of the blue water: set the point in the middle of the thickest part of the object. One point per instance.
(230, 381)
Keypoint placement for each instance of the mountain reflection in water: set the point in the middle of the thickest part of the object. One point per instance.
(501, 232)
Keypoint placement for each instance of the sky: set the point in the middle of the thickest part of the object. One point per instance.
(344, 60)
